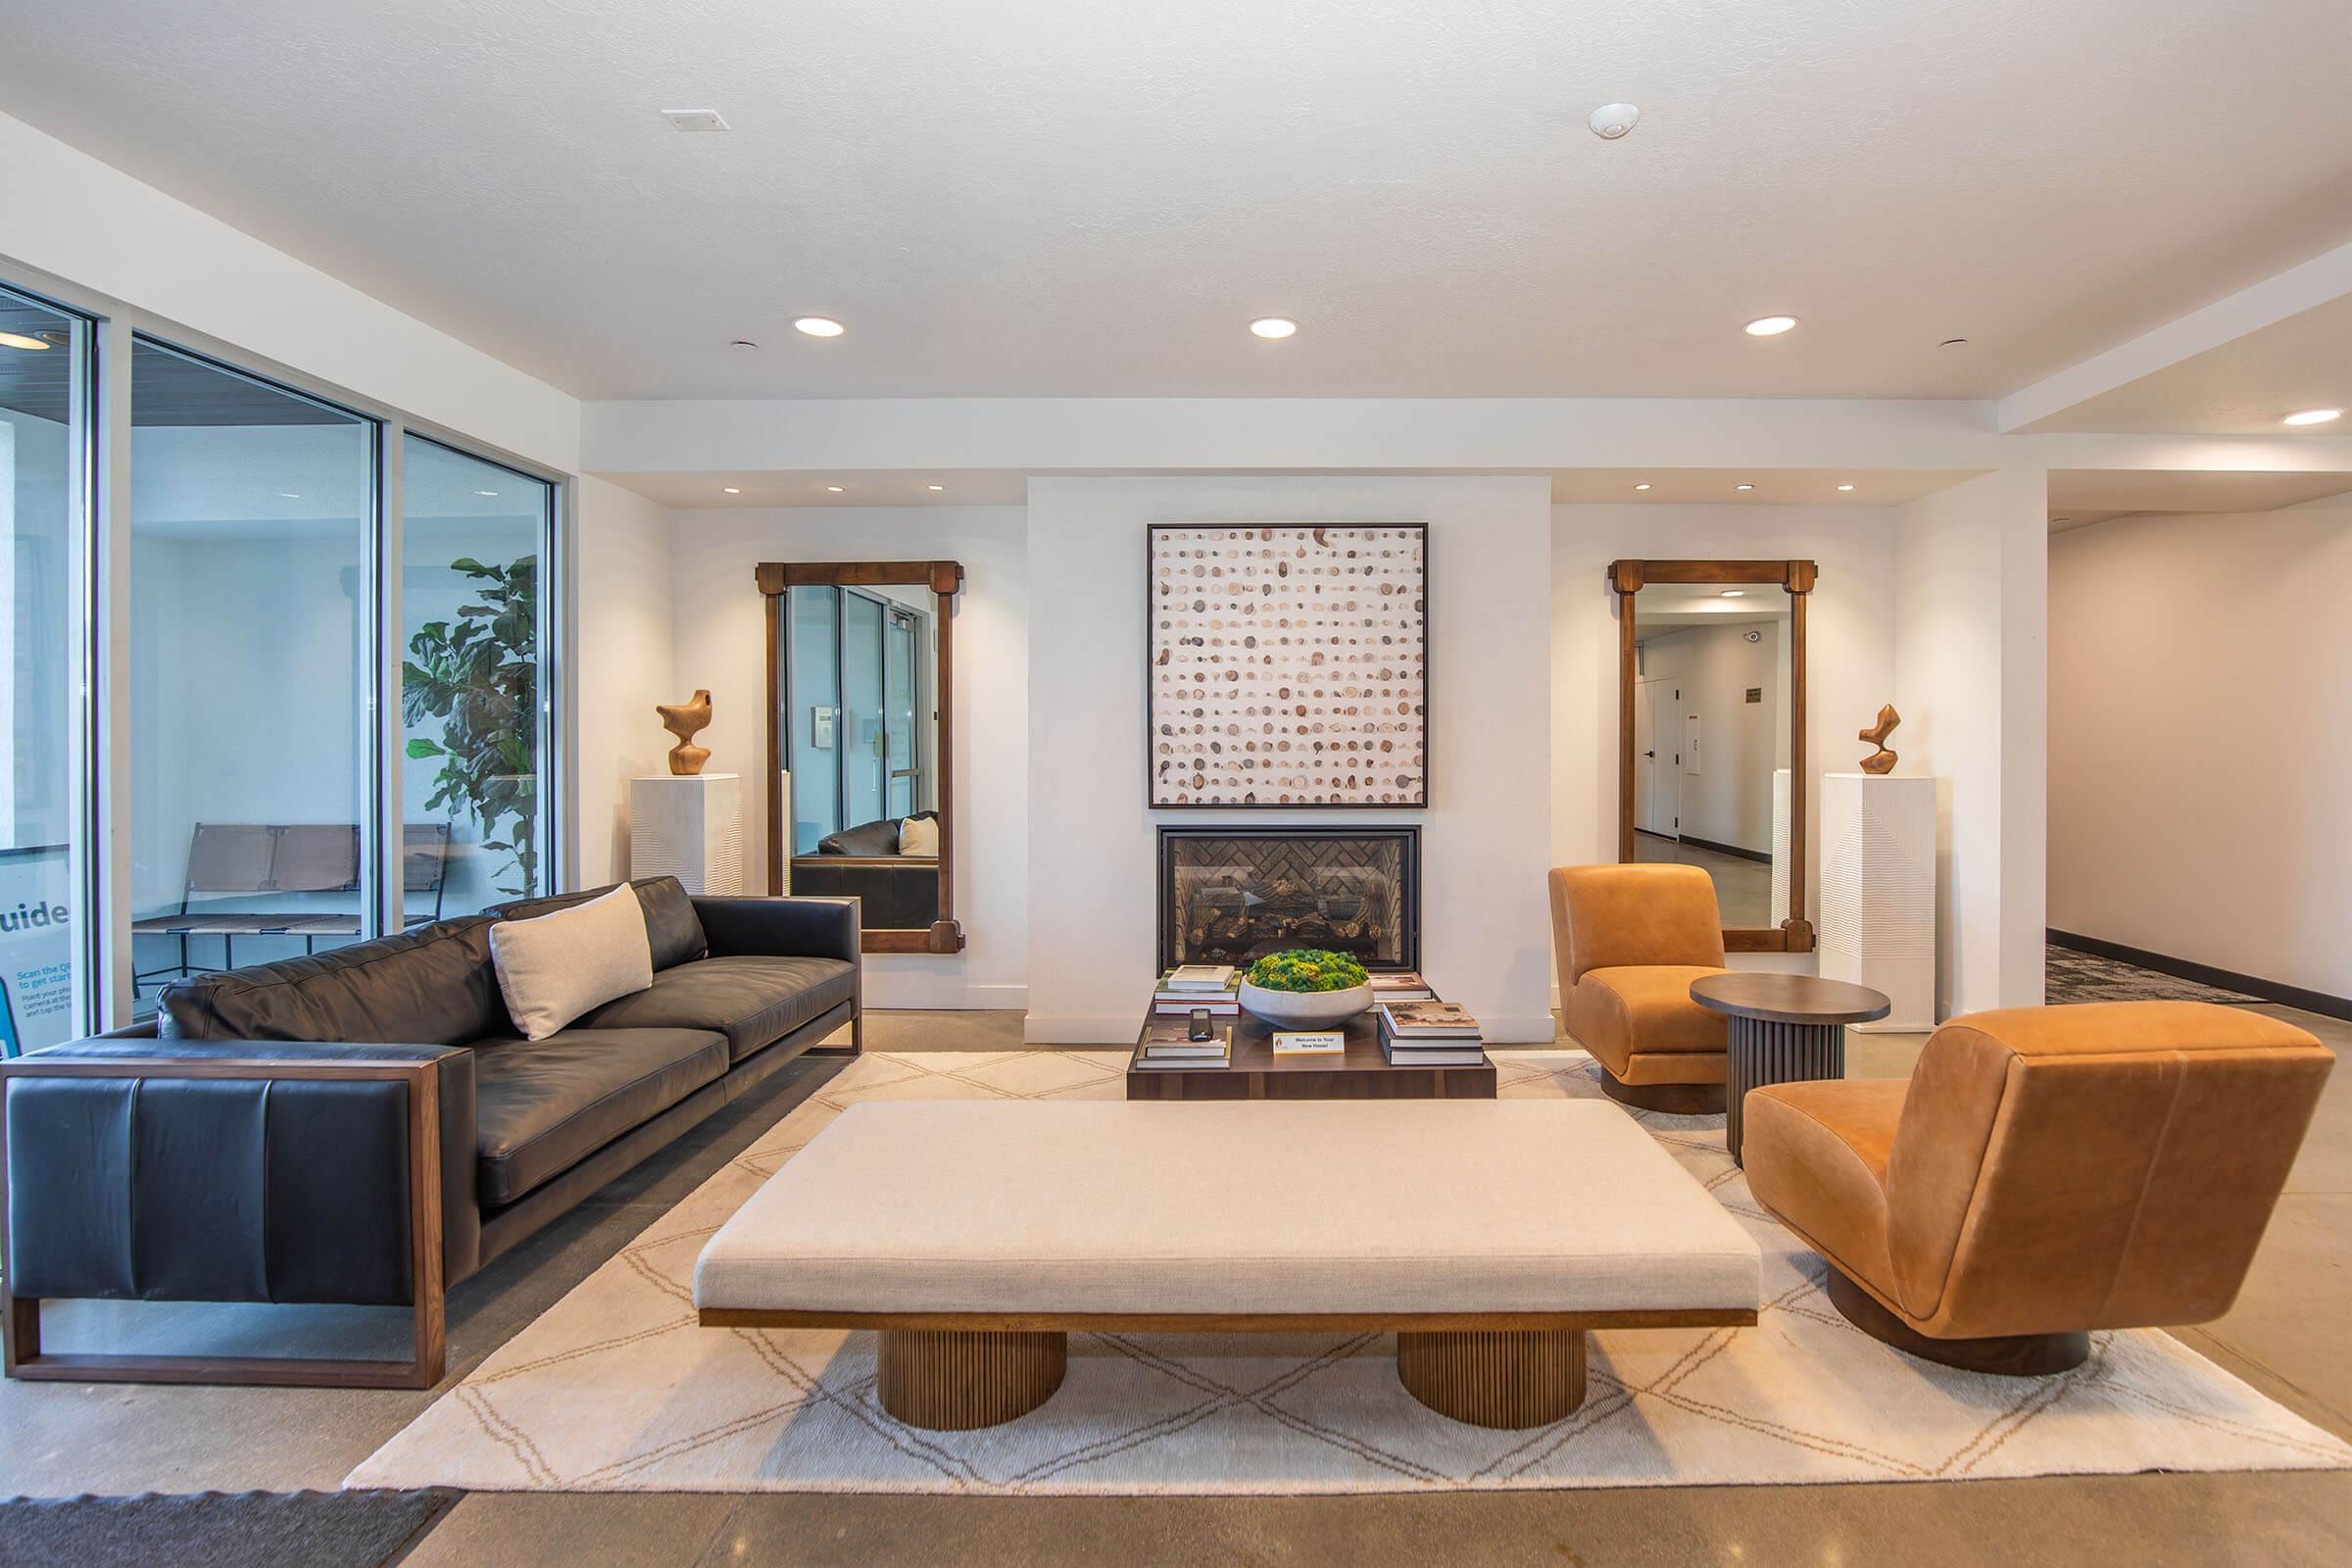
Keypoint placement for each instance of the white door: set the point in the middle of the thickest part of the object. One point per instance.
(1657, 773)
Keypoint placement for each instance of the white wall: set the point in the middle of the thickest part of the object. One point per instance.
(1971, 570)
(2200, 689)
(720, 642)
(1850, 648)
(1093, 865)
(622, 654)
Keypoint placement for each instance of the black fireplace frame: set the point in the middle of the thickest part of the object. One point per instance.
(1408, 874)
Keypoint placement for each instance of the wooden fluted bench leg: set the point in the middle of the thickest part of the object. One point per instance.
(952, 1379)
(1507, 1378)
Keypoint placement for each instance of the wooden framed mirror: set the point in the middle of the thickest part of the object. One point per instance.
(860, 728)
(1711, 734)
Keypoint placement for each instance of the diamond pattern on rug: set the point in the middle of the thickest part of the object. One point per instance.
(617, 1388)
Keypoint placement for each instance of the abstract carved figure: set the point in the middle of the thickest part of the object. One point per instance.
(1880, 761)
(686, 720)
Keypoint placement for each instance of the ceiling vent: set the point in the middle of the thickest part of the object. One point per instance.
(694, 119)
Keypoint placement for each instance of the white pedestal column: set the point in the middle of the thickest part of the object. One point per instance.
(1878, 892)
(689, 828)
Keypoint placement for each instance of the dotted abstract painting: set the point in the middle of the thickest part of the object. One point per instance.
(1288, 665)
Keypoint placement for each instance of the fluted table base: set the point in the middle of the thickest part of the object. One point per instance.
(1506, 1378)
(1760, 1052)
(953, 1380)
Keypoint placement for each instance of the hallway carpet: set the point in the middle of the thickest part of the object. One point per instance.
(618, 1389)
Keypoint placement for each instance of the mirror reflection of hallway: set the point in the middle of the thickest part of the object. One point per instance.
(1710, 729)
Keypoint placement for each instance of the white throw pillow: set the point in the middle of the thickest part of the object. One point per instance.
(919, 835)
(554, 967)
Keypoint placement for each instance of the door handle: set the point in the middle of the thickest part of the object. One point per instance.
(1652, 756)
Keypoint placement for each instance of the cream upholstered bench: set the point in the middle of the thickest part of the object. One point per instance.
(975, 1236)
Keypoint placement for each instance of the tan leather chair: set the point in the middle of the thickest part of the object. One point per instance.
(2044, 1172)
(1628, 940)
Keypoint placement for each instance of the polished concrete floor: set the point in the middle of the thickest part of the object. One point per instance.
(2285, 1336)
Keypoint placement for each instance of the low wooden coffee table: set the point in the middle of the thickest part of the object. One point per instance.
(1256, 1073)
(1784, 1028)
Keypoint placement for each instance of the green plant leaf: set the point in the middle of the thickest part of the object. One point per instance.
(420, 748)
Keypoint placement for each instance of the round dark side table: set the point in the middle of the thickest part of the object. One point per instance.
(1784, 1028)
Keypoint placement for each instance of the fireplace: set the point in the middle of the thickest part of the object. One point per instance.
(1230, 895)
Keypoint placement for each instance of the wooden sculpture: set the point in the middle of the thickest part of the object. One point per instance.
(687, 719)
(1880, 761)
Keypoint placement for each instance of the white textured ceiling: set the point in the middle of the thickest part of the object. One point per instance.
(2242, 387)
(2080, 497)
(1083, 197)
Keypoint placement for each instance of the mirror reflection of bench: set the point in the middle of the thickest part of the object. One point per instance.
(236, 870)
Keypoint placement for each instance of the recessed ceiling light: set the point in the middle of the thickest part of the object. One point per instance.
(935, 487)
(485, 492)
(818, 326)
(1642, 487)
(835, 489)
(732, 489)
(288, 495)
(1953, 343)
(1743, 487)
(1273, 326)
(1612, 121)
(1734, 593)
(1768, 325)
(1845, 487)
(2314, 417)
(18, 340)
(743, 343)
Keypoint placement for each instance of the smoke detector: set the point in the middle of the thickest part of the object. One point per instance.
(1612, 121)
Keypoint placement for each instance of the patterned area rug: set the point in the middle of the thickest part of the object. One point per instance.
(2072, 976)
(615, 1388)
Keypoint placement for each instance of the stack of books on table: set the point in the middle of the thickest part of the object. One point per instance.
(1429, 1034)
(1214, 986)
(1167, 1044)
(1400, 985)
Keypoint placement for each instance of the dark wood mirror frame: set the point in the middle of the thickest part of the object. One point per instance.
(1794, 933)
(945, 579)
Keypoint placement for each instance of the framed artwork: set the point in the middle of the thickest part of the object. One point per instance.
(1288, 665)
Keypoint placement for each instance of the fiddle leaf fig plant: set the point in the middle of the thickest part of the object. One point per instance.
(479, 674)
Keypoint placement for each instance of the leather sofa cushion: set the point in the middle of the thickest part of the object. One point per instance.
(754, 1000)
(672, 927)
(1816, 1155)
(867, 838)
(429, 987)
(542, 1105)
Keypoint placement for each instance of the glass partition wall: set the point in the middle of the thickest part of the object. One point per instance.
(251, 511)
(280, 672)
(472, 693)
(45, 447)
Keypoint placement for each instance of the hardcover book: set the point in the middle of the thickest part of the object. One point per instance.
(1428, 1020)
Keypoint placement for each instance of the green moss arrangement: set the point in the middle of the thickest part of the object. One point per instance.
(1306, 969)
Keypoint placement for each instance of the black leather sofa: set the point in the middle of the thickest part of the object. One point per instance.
(368, 1126)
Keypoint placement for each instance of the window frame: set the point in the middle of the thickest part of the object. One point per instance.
(102, 867)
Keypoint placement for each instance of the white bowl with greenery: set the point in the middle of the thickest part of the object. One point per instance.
(1305, 988)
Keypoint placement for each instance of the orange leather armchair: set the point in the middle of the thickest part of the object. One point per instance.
(1628, 940)
(2045, 1171)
